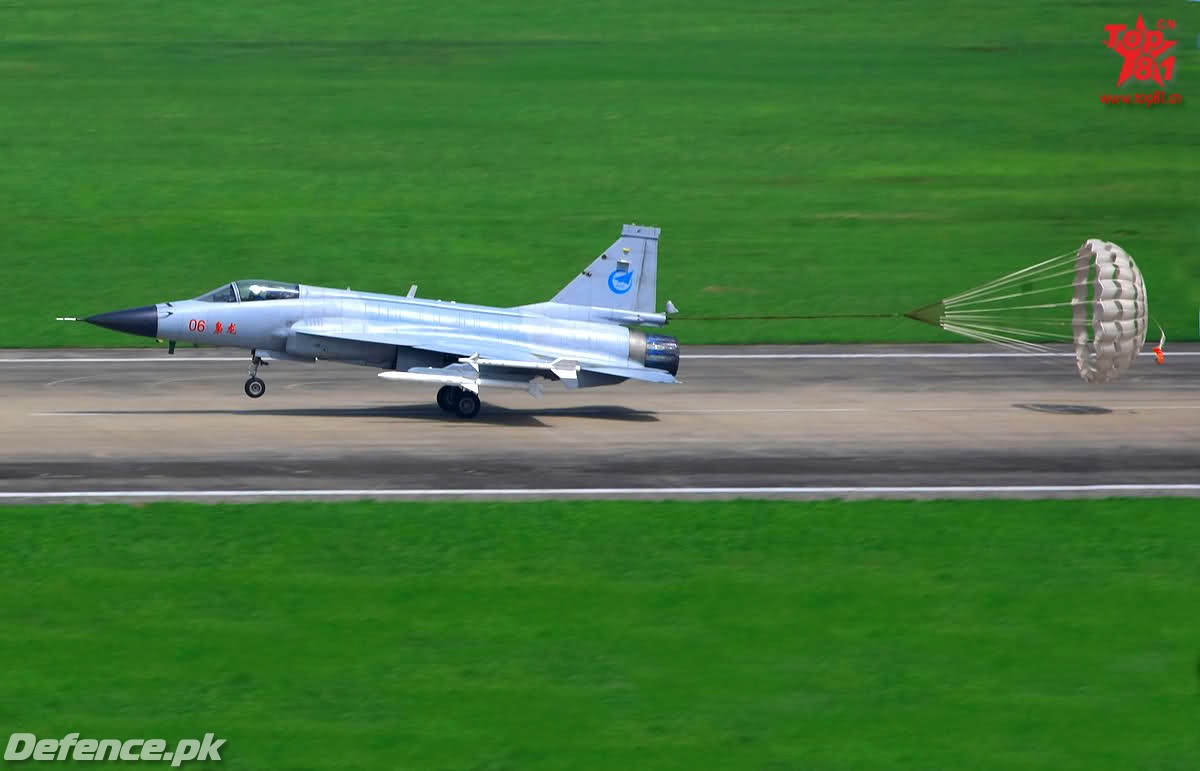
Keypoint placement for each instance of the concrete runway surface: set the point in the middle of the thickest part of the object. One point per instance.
(806, 421)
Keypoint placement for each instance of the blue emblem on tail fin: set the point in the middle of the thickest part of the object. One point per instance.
(620, 281)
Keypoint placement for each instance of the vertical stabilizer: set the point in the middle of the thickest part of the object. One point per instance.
(623, 277)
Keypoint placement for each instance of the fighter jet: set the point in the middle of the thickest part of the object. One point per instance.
(581, 337)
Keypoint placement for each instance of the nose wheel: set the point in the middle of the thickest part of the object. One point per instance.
(460, 401)
(255, 387)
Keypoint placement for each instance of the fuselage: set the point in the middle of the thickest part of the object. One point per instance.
(285, 321)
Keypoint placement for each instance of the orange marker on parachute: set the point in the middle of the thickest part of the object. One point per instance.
(1158, 349)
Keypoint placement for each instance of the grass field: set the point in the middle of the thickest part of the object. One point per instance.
(886, 635)
(801, 157)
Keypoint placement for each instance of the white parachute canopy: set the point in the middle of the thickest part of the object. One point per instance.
(1101, 311)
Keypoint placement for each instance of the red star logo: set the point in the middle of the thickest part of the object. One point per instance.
(1140, 48)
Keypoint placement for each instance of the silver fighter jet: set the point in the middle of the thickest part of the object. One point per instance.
(580, 337)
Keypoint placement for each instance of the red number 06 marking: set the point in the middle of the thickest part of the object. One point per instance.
(196, 325)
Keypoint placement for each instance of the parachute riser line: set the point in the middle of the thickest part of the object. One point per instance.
(1027, 274)
(1059, 288)
(1008, 342)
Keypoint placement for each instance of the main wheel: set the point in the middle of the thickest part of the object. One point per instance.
(445, 397)
(466, 404)
(255, 387)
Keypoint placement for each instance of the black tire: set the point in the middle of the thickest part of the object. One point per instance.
(466, 404)
(255, 387)
(445, 398)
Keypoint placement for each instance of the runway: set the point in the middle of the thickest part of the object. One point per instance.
(808, 421)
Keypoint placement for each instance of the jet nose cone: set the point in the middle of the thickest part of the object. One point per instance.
(136, 321)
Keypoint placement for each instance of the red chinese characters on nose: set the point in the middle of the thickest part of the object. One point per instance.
(1140, 48)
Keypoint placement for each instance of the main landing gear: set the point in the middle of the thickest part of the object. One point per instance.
(460, 401)
(255, 387)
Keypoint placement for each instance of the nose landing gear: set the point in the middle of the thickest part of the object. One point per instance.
(255, 387)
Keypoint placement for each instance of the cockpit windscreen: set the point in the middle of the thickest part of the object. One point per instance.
(222, 294)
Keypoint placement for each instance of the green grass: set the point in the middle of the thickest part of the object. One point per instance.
(765, 635)
(801, 157)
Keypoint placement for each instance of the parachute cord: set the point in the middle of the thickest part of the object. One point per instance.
(1033, 272)
(812, 317)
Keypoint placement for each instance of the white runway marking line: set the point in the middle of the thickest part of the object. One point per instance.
(733, 356)
(73, 415)
(607, 491)
(914, 355)
(123, 360)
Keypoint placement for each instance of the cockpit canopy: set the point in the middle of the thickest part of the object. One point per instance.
(256, 289)
(251, 289)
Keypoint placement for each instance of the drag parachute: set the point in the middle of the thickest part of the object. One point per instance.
(1101, 312)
